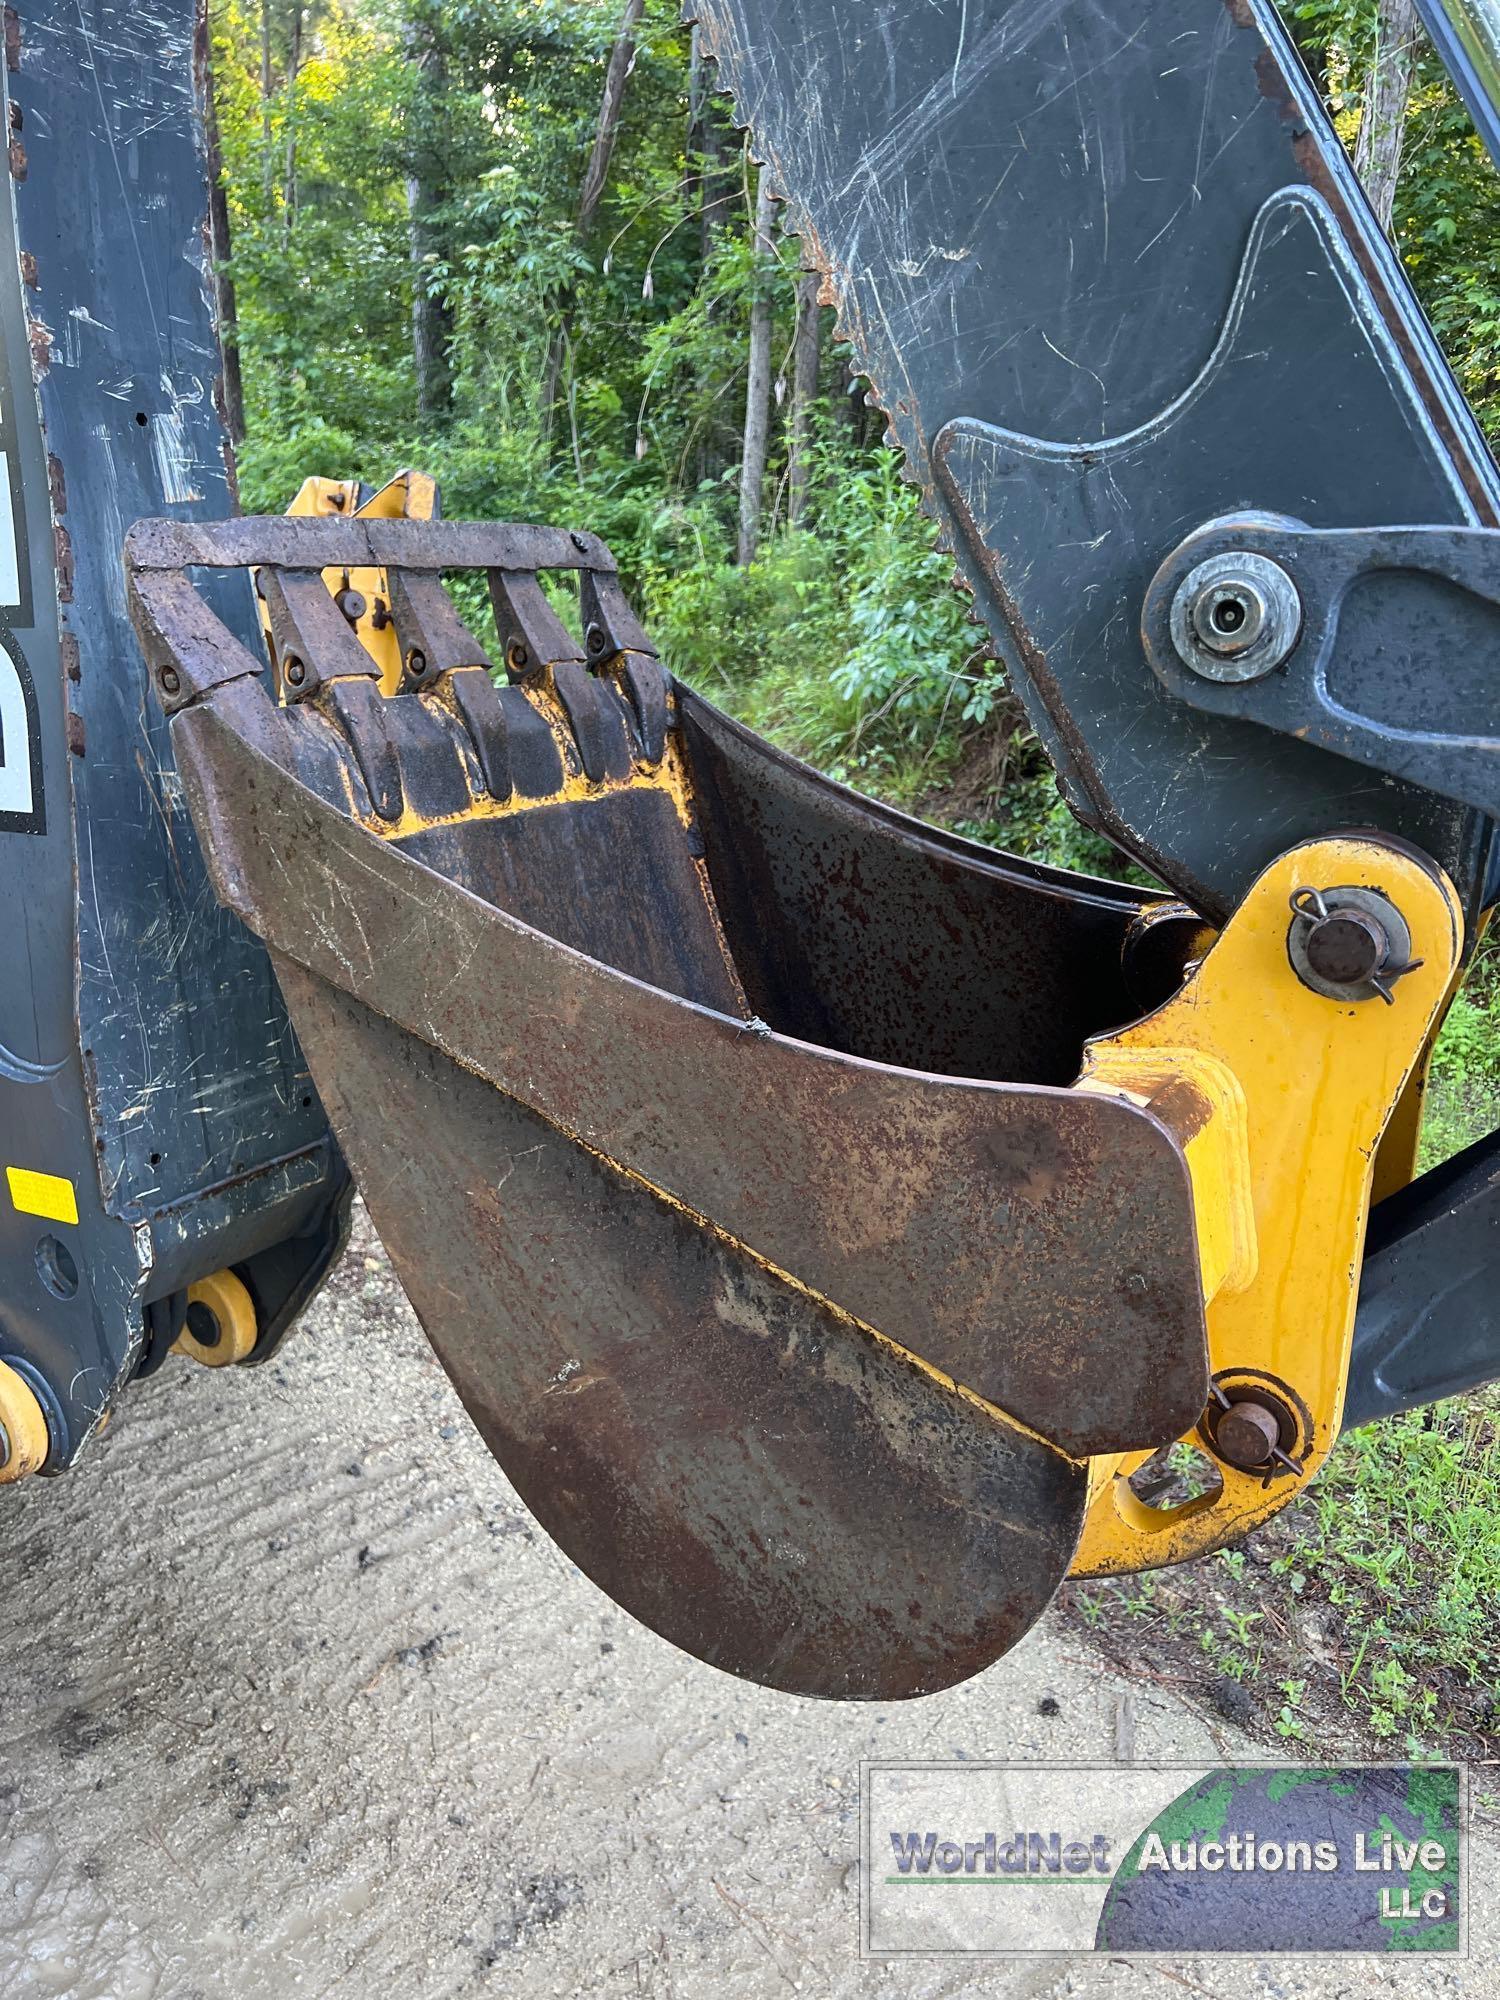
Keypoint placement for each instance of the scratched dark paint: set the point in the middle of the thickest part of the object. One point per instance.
(145, 1053)
(1395, 622)
(1110, 274)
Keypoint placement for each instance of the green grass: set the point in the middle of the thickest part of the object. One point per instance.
(1401, 1537)
(1463, 1092)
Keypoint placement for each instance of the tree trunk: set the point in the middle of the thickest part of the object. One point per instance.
(289, 182)
(692, 177)
(431, 322)
(1377, 152)
(805, 344)
(758, 384)
(621, 62)
(716, 179)
(852, 399)
(715, 182)
(267, 162)
(225, 305)
(595, 177)
(431, 326)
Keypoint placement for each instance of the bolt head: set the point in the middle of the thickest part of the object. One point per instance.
(170, 680)
(1235, 616)
(1347, 946)
(1229, 617)
(1246, 1435)
(296, 673)
(1348, 943)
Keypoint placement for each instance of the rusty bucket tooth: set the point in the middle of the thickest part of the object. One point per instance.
(714, 1118)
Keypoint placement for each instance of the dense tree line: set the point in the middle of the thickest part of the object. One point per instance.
(526, 234)
(521, 243)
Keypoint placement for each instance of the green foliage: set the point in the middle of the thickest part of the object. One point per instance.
(322, 287)
(849, 646)
(1463, 1090)
(1447, 219)
(1288, 1722)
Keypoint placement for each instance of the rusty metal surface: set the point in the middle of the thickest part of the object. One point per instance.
(548, 868)
(330, 541)
(313, 640)
(757, 1479)
(858, 928)
(1034, 1244)
(724, 1301)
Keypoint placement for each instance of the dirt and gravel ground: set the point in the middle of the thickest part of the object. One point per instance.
(295, 1701)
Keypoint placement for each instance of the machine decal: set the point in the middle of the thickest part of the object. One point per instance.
(21, 806)
(15, 567)
(48, 1195)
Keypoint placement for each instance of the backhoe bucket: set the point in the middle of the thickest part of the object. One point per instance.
(716, 1119)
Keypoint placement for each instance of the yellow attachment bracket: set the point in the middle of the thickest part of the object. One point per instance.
(409, 496)
(24, 1442)
(1200, 1098)
(1281, 1097)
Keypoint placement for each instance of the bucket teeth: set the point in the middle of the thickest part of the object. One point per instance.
(432, 637)
(597, 711)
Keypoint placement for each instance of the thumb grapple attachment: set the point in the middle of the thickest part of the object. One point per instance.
(717, 1120)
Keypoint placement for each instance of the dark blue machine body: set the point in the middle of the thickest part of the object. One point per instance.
(146, 1061)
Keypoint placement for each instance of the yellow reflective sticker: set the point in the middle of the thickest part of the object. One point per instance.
(47, 1195)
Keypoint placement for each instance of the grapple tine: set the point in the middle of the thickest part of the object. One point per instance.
(432, 637)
